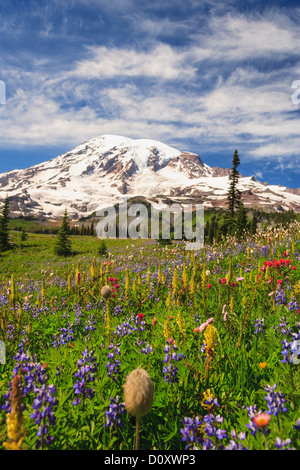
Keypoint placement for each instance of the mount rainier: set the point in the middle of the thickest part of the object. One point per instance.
(102, 171)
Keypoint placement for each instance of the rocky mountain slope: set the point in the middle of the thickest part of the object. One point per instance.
(102, 171)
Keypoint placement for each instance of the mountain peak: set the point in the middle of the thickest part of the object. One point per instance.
(100, 171)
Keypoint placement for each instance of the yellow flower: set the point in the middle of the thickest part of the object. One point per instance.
(180, 322)
(15, 420)
(210, 336)
(167, 330)
(262, 364)
(208, 398)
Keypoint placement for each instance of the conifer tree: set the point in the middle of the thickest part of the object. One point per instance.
(234, 195)
(4, 232)
(213, 230)
(102, 248)
(63, 242)
(253, 227)
(241, 220)
(23, 237)
(207, 231)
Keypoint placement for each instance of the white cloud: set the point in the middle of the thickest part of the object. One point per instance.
(239, 37)
(162, 62)
(209, 90)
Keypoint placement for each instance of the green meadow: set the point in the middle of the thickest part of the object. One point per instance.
(217, 331)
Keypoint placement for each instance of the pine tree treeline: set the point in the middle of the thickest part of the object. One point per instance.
(234, 220)
(76, 230)
(234, 194)
(4, 232)
(63, 243)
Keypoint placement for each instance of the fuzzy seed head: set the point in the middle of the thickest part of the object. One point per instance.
(138, 393)
(106, 292)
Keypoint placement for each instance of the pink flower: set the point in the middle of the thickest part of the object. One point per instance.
(224, 313)
(261, 420)
(204, 325)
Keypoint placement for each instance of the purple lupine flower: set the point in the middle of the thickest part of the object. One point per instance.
(170, 371)
(147, 349)
(211, 428)
(211, 401)
(35, 380)
(251, 426)
(259, 326)
(140, 322)
(235, 446)
(221, 433)
(280, 297)
(118, 311)
(112, 414)
(283, 326)
(66, 336)
(275, 400)
(280, 444)
(297, 425)
(90, 323)
(113, 365)
(33, 373)
(85, 375)
(43, 412)
(190, 432)
(241, 436)
(293, 304)
(264, 250)
(291, 349)
(252, 412)
(126, 328)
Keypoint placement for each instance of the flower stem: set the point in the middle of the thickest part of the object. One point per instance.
(137, 434)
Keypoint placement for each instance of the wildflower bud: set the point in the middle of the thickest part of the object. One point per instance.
(138, 393)
(106, 292)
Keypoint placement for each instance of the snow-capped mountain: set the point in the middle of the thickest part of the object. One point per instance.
(102, 171)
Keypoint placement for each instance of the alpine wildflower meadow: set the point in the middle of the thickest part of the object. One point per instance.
(148, 346)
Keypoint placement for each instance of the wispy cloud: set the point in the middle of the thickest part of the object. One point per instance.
(225, 83)
(163, 62)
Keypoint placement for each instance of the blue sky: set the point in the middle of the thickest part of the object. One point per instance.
(202, 76)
